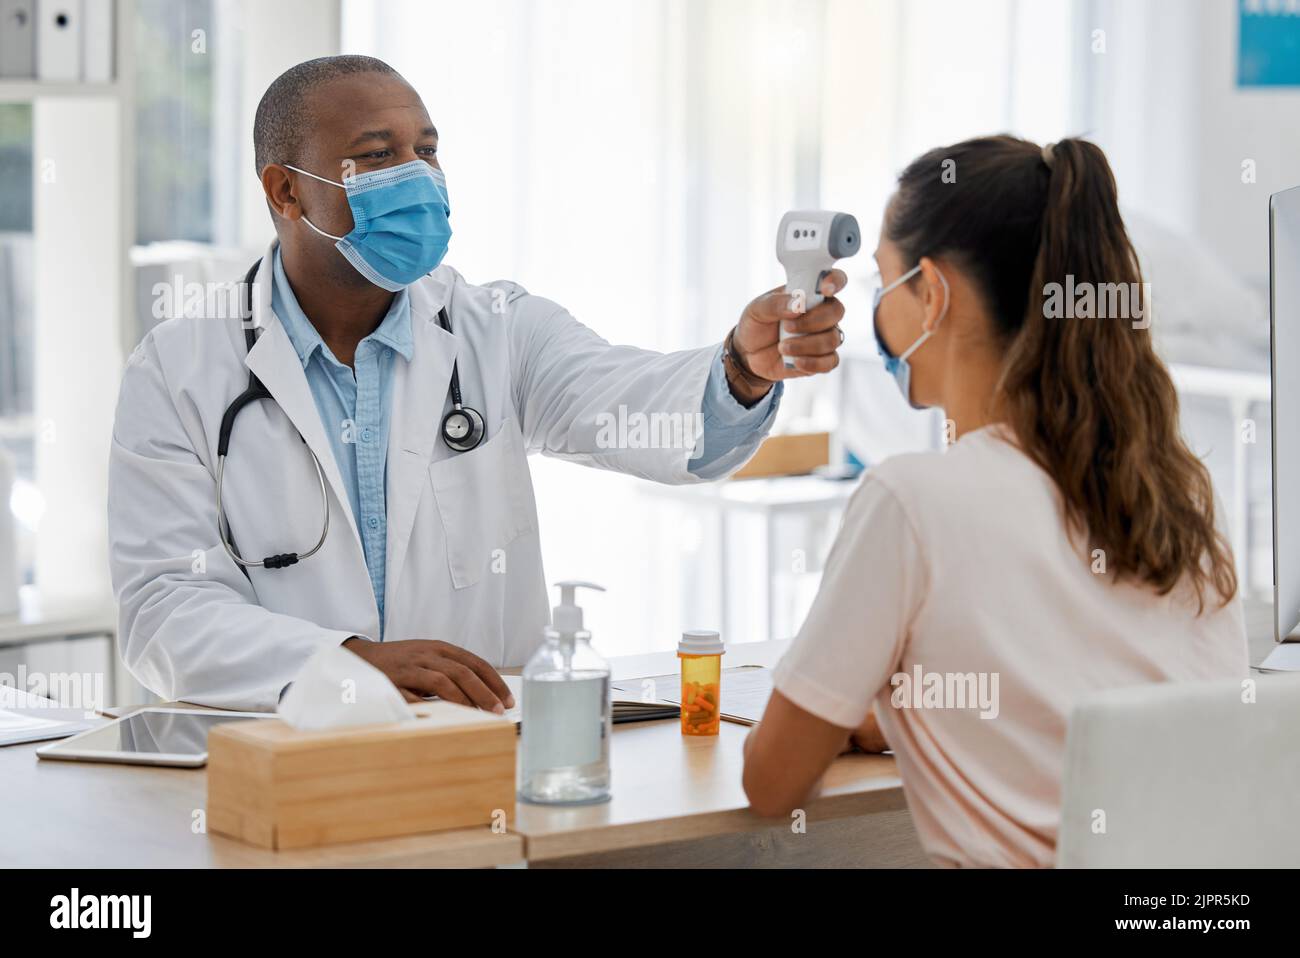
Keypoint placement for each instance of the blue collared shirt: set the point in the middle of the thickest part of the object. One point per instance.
(355, 406)
(727, 423)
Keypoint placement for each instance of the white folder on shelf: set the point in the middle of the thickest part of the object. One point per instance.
(58, 40)
(97, 41)
(17, 39)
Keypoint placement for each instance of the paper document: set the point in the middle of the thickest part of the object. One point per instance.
(516, 685)
(25, 717)
(745, 691)
(30, 725)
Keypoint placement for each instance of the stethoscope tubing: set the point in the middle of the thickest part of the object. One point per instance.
(257, 392)
(223, 525)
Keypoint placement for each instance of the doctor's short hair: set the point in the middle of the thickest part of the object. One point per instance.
(283, 118)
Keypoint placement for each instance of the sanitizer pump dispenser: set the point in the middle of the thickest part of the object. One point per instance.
(564, 751)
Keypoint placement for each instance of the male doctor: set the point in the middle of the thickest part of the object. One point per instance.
(430, 567)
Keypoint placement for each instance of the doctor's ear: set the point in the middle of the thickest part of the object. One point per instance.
(935, 293)
(280, 195)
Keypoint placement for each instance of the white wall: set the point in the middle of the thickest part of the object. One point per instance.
(77, 218)
(272, 37)
(1166, 107)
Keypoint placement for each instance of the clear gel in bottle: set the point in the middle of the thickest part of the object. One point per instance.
(564, 751)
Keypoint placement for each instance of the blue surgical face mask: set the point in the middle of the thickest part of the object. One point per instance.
(400, 230)
(898, 366)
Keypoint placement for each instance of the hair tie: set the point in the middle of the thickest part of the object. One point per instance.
(1049, 157)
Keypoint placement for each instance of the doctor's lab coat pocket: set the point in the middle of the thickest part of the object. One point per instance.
(485, 499)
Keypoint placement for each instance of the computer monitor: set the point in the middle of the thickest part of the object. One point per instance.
(1284, 320)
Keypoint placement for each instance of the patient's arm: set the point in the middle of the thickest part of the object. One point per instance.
(786, 756)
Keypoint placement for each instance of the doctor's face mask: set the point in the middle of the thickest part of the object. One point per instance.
(400, 227)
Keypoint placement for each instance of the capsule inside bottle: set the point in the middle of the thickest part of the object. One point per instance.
(701, 694)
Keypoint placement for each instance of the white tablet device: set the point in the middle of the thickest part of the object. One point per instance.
(151, 736)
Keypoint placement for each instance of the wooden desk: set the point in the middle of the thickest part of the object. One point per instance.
(676, 802)
(84, 815)
(679, 801)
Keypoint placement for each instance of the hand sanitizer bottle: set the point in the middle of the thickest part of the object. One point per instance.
(564, 754)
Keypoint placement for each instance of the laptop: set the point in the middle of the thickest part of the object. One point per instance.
(1284, 322)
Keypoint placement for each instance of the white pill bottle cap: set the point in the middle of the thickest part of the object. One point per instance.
(700, 642)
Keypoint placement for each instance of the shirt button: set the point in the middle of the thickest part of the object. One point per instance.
(373, 522)
(366, 434)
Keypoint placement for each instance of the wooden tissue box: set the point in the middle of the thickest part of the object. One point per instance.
(274, 786)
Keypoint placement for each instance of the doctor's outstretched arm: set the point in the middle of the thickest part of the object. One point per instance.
(675, 417)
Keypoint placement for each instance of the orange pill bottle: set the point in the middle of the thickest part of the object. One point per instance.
(701, 657)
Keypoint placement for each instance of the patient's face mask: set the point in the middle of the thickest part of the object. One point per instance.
(898, 366)
(400, 229)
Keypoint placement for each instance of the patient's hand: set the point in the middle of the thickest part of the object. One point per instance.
(867, 737)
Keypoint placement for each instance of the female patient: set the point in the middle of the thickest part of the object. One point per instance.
(1064, 542)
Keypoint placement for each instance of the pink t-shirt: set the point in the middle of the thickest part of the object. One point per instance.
(955, 599)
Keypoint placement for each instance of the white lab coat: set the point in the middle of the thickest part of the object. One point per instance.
(464, 562)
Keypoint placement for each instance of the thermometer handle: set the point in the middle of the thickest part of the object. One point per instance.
(804, 284)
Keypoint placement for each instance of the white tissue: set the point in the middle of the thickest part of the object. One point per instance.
(339, 689)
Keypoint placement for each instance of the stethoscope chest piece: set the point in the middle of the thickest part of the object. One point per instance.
(462, 428)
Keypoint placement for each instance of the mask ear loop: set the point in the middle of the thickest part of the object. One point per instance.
(341, 186)
(947, 298)
(321, 231)
(304, 215)
(881, 293)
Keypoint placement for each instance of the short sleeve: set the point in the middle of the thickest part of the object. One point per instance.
(852, 641)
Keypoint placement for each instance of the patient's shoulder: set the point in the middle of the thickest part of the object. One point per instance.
(982, 469)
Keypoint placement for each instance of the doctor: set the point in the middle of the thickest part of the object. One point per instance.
(374, 490)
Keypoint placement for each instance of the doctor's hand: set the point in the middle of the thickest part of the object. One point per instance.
(421, 667)
(758, 354)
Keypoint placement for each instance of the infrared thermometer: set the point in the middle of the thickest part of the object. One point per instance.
(807, 245)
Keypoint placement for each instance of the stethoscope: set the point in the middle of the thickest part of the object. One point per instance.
(462, 430)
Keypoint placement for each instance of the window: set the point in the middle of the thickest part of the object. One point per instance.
(189, 130)
(174, 120)
(16, 274)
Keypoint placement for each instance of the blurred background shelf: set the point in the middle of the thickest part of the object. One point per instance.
(21, 91)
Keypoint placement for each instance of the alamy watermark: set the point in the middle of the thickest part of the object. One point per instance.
(1071, 300)
(126, 912)
(652, 430)
(919, 689)
(69, 690)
